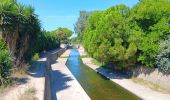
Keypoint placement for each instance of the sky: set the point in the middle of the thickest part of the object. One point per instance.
(64, 13)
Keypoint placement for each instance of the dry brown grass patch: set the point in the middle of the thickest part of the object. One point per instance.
(29, 94)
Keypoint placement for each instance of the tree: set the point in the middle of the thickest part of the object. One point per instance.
(64, 34)
(131, 34)
(163, 56)
(46, 41)
(5, 64)
(152, 17)
(20, 26)
(109, 39)
(81, 25)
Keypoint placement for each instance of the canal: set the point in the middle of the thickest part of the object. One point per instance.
(96, 86)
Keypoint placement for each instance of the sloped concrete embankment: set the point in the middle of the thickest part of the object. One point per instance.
(52, 57)
(155, 76)
(141, 91)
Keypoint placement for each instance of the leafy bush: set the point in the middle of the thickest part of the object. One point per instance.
(63, 34)
(81, 25)
(121, 35)
(46, 41)
(5, 64)
(163, 57)
(151, 16)
(109, 39)
(36, 56)
(19, 28)
(49, 40)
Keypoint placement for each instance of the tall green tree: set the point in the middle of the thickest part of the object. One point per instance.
(152, 17)
(108, 37)
(46, 41)
(20, 26)
(81, 24)
(64, 34)
(121, 35)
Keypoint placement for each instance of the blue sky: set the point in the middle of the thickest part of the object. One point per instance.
(64, 13)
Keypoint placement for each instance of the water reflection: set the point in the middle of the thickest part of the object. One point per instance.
(97, 87)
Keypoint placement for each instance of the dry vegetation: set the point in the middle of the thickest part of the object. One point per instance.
(18, 77)
(29, 94)
(150, 85)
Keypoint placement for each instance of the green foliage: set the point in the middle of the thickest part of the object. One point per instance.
(81, 24)
(108, 37)
(5, 64)
(63, 34)
(163, 56)
(36, 56)
(21, 30)
(74, 40)
(121, 36)
(97, 63)
(20, 26)
(46, 41)
(153, 19)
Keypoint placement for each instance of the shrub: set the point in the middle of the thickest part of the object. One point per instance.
(36, 56)
(163, 57)
(5, 65)
(151, 16)
(46, 41)
(121, 35)
(109, 39)
(19, 27)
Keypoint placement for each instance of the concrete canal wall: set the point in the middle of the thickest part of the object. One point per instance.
(153, 75)
(52, 57)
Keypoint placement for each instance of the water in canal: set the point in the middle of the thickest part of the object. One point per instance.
(97, 87)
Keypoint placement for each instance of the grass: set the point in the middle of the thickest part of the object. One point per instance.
(85, 56)
(21, 71)
(63, 57)
(97, 63)
(29, 94)
(15, 81)
(150, 85)
(3, 89)
(94, 61)
(18, 76)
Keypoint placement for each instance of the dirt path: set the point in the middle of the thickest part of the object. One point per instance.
(35, 79)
